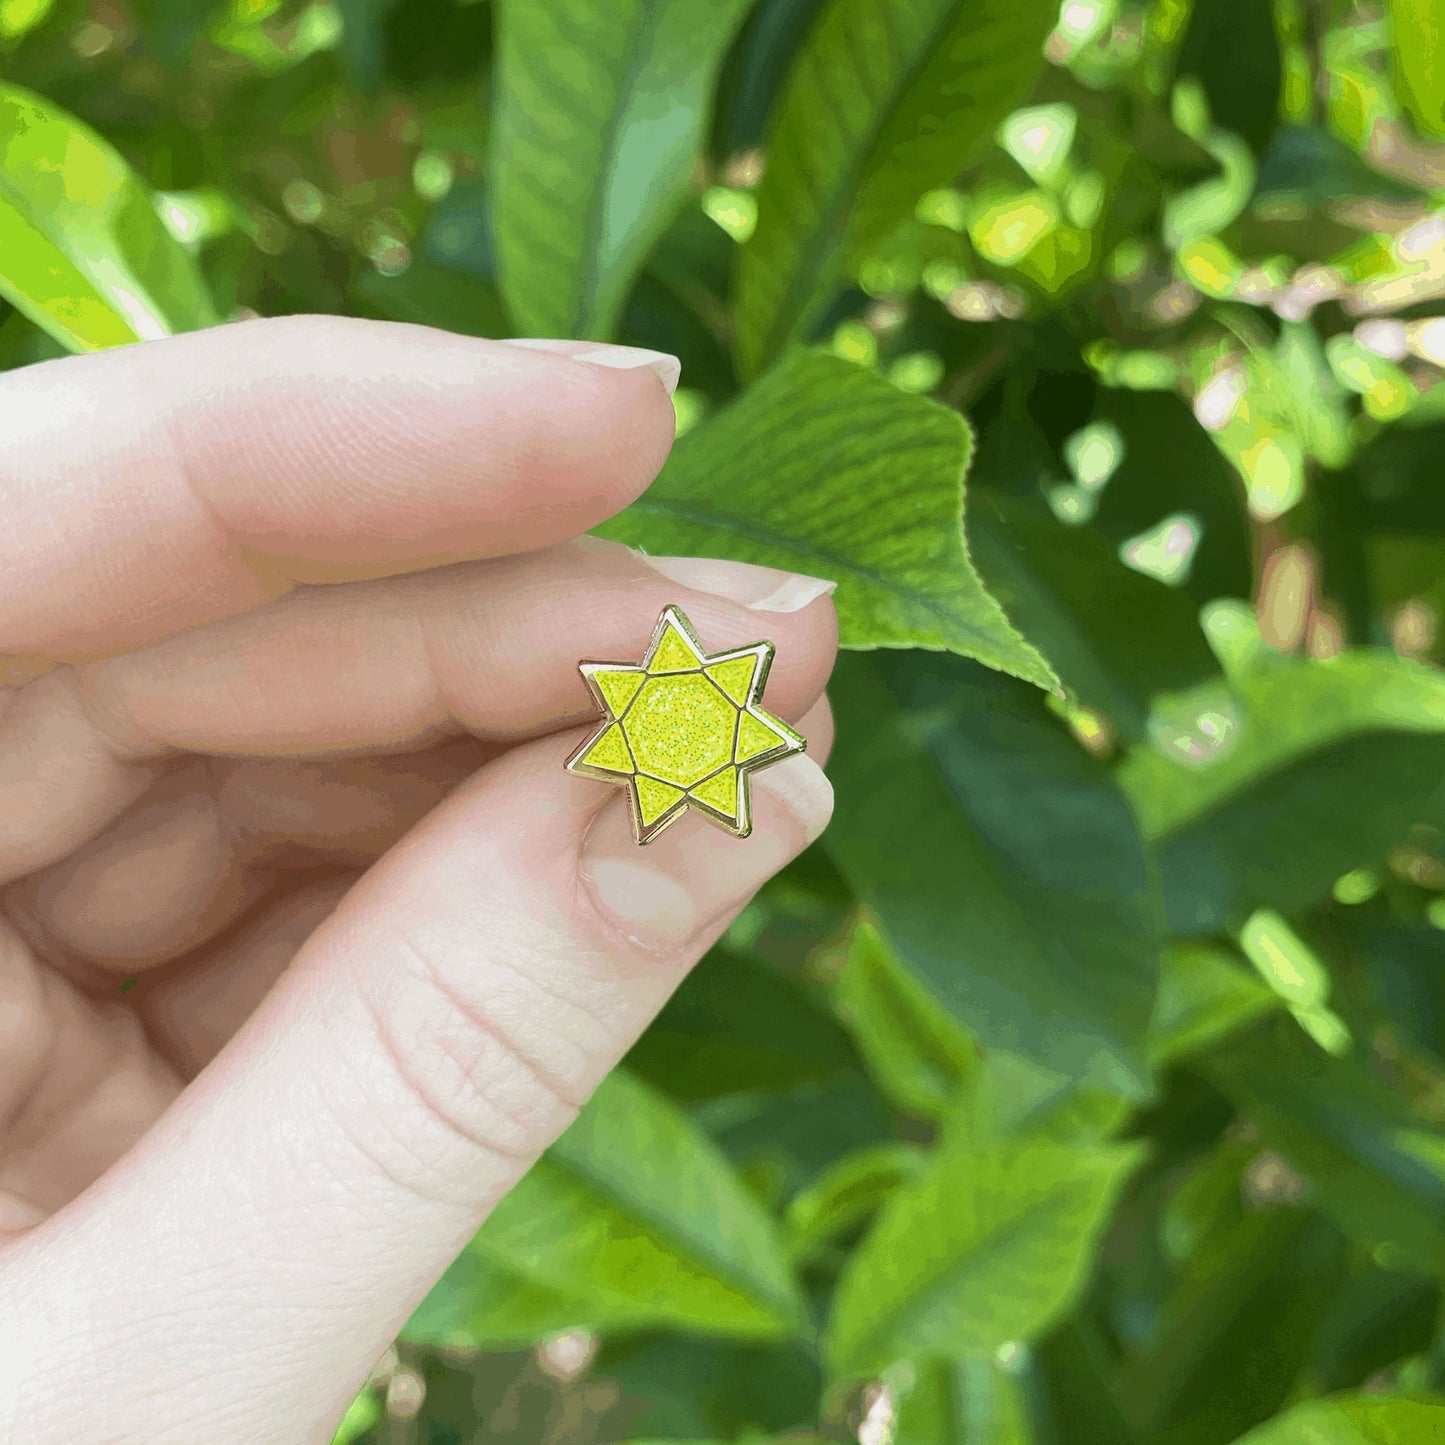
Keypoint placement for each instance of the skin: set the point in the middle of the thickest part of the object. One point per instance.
(290, 613)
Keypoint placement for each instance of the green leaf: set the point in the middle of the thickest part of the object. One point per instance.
(737, 1024)
(362, 45)
(1354, 1420)
(480, 1303)
(1001, 861)
(1264, 790)
(1115, 636)
(849, 1193)
(683, 1388)
(990, 1246)
(758, 68)
(824, 468)
(917, 1054)
(1205, 994)
(1232, 46)
(364, 1412)
(599, 118)
(1373, 1165)
(931, 1410)
(1313, 392)
(964, 1402)
(1208, 1202)
(83, 252)
(1379, 1318)
(1417, 35)
(1275, 711)
(783, 1142)
(887, 99)
(19, 17)
(1237, 1329)
(1170, 464)
(1073, 1387)
(1009, 1097)
(427, 294)
(633, 1218)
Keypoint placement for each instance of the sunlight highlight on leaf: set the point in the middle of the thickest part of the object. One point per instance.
(1166, 550)
(83, 250)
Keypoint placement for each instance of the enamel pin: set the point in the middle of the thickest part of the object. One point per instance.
(683, 729)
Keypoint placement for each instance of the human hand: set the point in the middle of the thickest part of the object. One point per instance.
(260, 750)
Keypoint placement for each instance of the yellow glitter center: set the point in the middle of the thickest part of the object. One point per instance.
(681, 727)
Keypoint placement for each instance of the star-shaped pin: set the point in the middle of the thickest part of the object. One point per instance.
(683, 729)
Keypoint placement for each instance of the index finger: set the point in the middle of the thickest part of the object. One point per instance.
(158, 487)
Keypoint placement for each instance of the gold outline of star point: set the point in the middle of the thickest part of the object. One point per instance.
(655, 811)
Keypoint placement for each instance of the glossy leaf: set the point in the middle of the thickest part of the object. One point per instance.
(364, 1413)
(758, 68)
(1002, 864)
(887, 99)
(989, 1246)
(631, 1218)
(826, 469)
(599, 117)
(1265, 790)
(1354, 1420)
(1277, 710)
(83, 252)
(1234, 311)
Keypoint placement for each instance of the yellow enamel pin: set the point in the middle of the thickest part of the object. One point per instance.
(683, 729)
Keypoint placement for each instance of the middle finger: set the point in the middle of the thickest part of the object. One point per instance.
(489, 648)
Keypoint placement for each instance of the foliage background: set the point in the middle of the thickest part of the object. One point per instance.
(1087, 1085)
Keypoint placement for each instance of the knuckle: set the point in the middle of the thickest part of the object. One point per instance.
(27, 1028)
(501, 1076)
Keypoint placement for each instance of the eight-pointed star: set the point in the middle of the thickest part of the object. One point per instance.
(684, 728)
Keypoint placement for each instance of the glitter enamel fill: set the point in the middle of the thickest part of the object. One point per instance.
(683, 728)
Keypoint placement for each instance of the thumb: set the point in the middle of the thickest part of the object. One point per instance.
(235, 1277)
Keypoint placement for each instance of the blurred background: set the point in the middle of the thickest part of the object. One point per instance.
(1086, 1084)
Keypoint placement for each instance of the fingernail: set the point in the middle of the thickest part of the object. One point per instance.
(693, 874)
(664, 365)
(762, 589)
